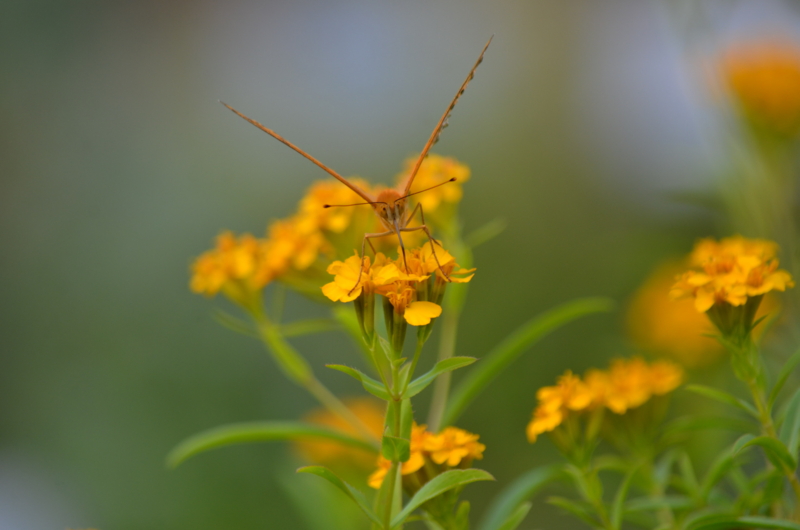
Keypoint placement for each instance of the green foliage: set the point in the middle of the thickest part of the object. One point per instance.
(266, 431)
(352, 493)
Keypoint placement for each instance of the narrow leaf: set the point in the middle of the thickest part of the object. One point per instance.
(723, 397)
(774, 450)
(438, 485)
(619, 499)
(448, 365)
(783, 376)
(790, 426)
(372, 386)
(648, 504)
(581, 510)
(731, 523)
(258, 432)
(516, 518)
(348, 490)
(235, 324)
(515, 494)
(722, 464)
(515, 345)
(395, 449)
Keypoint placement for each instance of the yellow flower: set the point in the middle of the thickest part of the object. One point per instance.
(368, 410)
(764, 80)
(454, 446)
(313, 210)
(241, 261)
(436, 169)
(672, 328)
(373, 276)
(733, 270)
(555, 402)
(545, 419)
(664, 377)
(419, 434)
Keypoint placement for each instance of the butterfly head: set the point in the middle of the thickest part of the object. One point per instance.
(390, 207)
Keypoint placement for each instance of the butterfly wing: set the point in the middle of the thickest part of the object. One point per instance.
(442, 123)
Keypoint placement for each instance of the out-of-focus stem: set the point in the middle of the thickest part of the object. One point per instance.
(441, 387)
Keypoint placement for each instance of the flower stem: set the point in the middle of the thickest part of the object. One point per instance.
(441, 387)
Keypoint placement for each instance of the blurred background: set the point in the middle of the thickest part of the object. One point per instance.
(592, 128)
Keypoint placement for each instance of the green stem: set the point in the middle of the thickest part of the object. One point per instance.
(441, 387)
(410, 375)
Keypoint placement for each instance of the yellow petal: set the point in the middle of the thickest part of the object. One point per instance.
(421, 313)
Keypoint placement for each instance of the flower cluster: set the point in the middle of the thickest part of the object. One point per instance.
(764, 80)
(434, 170)
(412, 287)
(627, 384)
(734, 275)
(432, 454)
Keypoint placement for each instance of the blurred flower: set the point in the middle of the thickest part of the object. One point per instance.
(436, 169)
(671, 328)
(735, 274)
(237, 266)
(763, 78)
(432, 454)
(368, 410)
(318, 211)
(627, 384)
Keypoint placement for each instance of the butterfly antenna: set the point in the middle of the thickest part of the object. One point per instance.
(361, 193)
(443, 120)
(356, 204)
(448, 181)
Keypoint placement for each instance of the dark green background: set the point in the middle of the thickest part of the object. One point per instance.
(118, 166)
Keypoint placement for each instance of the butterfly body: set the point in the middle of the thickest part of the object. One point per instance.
(389, 204)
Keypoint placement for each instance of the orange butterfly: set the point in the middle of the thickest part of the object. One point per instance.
(390, 204)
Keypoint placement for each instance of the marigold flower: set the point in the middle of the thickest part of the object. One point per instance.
(357, 274)
(733, 270)
(419, 434)
(764, 79)
(242, 260)
(453, 446)
(432, 454)
(368, 410)
(627, 384)
(313, 210)
(436, 169)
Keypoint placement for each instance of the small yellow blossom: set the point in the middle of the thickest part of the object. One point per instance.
(242, 260)
(355, 274)
(733, 270)
(453, 447)
(670, 328)
(627, 384)
(763, 77)
(314, 213)
(436, 169)
(419, 434)
(368, 410)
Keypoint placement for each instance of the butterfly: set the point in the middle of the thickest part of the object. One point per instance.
(390, 205)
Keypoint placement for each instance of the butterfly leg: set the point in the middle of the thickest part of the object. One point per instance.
(427, 231)
(364, 242)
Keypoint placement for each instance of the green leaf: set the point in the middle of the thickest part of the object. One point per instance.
(619, 499)
(581, 510)
(648, 504)
(774, 450)
(348, 490)
(266, 431)
(448, 365)
(485, 233)
(673, 430)
(723, 397)
(372, 386)
(438, 485)
(688, 475)
(515, 345)
(790, 427)
(723, 522)
(783, 376)
(722, 464)
(508, 501)
(516, 517)
(395, 449)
